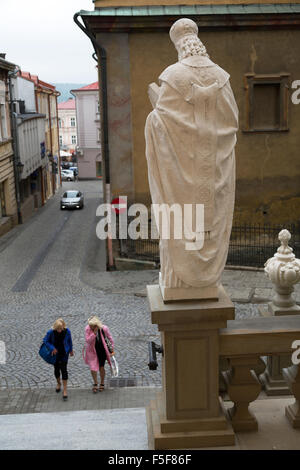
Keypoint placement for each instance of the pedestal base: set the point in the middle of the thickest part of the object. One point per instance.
(170, 294)
(245, 424)
(273, 386)
(274, 310)
(186, 433)
(291, 412)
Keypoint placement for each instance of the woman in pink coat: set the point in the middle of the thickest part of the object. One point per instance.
(96, 350)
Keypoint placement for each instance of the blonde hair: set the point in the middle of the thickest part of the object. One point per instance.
(59, 323)
(94, 321)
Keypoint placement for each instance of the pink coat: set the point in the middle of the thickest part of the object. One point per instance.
(89, 352)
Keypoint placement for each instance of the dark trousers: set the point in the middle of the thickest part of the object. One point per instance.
(61, 367)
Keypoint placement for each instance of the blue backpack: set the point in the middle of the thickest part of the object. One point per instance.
(45, 354)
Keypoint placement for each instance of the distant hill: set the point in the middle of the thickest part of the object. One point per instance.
(64, 89)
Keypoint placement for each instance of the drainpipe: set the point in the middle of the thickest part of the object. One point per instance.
(100, 52)
(51, 145)
(15, 141)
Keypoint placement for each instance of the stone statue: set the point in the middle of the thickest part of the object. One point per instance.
(190, 139)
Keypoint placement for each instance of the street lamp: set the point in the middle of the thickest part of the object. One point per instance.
(20, 167)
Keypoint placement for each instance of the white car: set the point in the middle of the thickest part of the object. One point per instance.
(72, 199)
(67, 175)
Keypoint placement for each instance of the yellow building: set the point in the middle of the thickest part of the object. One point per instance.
(8, 204)
(46, 103)
(257, 43)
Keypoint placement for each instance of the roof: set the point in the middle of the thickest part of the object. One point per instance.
(92, 86)
(69, 104)
(27, 116)
(122, 3)
(39, 83)
(4, 64)
(194, 10)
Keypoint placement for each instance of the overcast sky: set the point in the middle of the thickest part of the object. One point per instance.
(42, 38)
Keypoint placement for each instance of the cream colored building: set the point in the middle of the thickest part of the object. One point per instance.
(46, 103)
(88, 130)
(8, 205)
(67, 125)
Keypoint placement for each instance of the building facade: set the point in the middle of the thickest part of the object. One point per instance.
(30, 153)
(257, 43)
(89, 157)
(8, 203)
(67, 125)
(46, 103)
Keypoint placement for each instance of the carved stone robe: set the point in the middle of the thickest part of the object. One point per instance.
(190, 140)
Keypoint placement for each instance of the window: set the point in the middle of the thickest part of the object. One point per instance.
(73, 122)
(74, 140)
(2, 201)
(3, 128)
(59, 123)
(266, 103)
(60, 140)
(98, 169)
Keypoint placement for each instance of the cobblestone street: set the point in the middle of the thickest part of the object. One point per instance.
(41, 264)
(54, 266)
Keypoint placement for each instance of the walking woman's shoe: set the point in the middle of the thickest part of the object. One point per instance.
(58, 388)
(95, 388)
(65, 397)
(101, 388)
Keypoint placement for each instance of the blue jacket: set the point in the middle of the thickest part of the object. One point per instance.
(68, 345)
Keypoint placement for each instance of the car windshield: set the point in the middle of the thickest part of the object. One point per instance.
(71, 194)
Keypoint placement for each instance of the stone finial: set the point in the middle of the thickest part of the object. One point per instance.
(284, 237)
(283, 269)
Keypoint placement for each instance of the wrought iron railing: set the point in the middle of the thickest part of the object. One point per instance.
(250, 245)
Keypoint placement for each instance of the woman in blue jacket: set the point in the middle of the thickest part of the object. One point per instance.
(59, 341)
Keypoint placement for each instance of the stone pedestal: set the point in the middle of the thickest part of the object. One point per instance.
(188, 413)
(275, 310)
(292, 376)
(283, 269)
(272, 379)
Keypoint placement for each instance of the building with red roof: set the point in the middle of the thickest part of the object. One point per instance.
(46, 103)
(67, 125)
(89, 156)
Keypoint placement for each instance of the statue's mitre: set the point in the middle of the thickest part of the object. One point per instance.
(181, 28)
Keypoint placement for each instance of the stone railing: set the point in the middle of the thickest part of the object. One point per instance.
(243, 343)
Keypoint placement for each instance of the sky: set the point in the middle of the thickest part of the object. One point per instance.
(41, 37)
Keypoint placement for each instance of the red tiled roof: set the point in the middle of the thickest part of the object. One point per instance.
(35, 79)
(92, 86)
(69, 104)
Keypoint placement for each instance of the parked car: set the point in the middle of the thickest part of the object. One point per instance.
(72, 199)
(67, 175)
(74, 169)
(66, 165)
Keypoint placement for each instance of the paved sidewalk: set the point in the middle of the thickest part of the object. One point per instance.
(123, 429)
(20, 401)
(243, 285)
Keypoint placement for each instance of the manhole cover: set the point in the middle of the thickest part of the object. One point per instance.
(123, 382)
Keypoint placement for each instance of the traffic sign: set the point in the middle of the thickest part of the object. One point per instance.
(119, 205)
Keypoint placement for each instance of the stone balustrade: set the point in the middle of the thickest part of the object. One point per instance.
(243, 343)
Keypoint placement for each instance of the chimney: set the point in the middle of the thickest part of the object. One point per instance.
(2, 55)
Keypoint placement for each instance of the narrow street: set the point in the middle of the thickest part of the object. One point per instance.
(47, 270)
